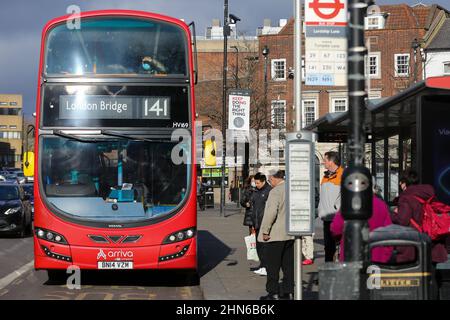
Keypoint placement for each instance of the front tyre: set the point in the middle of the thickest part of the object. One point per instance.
(56, 276)
(191, 277)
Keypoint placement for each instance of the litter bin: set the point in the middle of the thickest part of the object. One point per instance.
(209, 197)
(443, 279)
(409, 280)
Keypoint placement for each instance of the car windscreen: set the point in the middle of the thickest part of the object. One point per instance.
(9, 193)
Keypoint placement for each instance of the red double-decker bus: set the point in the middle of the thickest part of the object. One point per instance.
(114, 185)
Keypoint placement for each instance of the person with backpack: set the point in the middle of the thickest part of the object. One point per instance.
(410, 213)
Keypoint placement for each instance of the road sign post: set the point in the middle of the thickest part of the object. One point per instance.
(299, 195)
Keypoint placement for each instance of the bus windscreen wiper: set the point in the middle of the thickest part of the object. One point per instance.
(70, 136)
(124, 136)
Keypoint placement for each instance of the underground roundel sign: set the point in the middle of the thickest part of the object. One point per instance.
(330, 12)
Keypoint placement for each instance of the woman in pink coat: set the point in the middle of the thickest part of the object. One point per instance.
(380, 218)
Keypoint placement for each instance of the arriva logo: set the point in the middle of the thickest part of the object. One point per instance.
(117, 255)
(101, 254)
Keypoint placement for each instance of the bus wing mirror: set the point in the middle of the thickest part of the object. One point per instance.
(194, 44)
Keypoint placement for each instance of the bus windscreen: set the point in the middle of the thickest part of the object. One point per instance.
(112, 180)
(116, 46)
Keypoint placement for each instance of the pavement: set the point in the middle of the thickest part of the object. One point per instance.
(224, 269)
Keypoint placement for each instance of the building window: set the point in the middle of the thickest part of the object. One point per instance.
(374, 65)
(279, 114)
(2, 103)
(13, 103)
(10, 135)
(10, 112)
(339, 105)
(279, 69)
(13, 127)
(374, 22)
(3, 127)
(309, 112)
(401, 65)
(447, 67)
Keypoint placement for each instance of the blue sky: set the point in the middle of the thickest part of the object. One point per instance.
(21, 23)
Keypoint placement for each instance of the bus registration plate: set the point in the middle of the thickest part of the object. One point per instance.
(115, 265)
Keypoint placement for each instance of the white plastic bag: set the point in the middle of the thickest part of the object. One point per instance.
(250, 242)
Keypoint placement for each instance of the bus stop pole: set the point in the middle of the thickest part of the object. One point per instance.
(297, 103)
(356, 187)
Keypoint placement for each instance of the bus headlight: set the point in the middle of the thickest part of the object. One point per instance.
(13, 210)
(180, 236)
(51, 236)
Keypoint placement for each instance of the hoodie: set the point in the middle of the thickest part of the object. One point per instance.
(409, 207)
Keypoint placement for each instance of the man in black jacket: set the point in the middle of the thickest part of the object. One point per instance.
(259, 198)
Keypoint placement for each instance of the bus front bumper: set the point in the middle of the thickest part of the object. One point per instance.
(181, 255)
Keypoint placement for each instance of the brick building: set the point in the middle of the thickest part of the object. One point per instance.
(393, 36)
(392, 65)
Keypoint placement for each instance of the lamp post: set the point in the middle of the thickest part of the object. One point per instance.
(265, 53)
(227, 20)
(236, 67)
(236, 183)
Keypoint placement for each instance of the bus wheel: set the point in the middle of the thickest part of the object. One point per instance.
(56, 275)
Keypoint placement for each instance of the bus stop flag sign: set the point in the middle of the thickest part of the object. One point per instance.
(326, 42)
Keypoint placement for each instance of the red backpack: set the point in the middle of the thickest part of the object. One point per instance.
(436, 218)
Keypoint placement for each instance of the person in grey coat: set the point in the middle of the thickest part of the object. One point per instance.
(279, 247)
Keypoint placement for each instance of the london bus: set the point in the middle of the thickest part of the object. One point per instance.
(113, 88)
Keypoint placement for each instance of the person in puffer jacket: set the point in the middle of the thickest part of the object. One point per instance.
(330, 200)
(410, 208)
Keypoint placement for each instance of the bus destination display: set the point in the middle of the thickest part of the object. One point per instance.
(108, 107)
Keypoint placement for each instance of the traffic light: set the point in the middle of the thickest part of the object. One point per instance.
(210, 152)
(28, 164)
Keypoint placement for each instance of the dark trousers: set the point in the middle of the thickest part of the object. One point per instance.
(280, 254)
(329, 242)
(260, 246)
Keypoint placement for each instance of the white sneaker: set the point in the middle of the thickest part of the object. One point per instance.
(261, 271)
(258, 271)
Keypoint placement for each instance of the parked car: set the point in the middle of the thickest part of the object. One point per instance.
(28, 188)
(15, 210)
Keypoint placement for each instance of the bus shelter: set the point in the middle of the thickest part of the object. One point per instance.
(408, 130)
